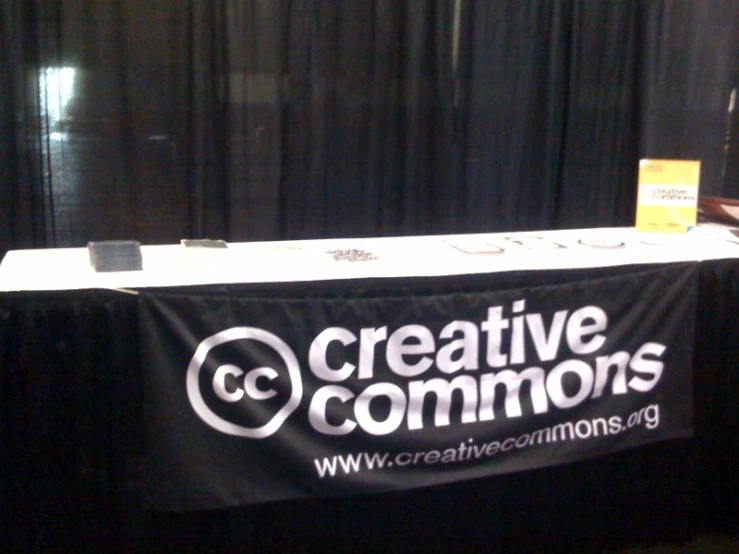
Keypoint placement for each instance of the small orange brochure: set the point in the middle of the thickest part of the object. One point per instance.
(667, 200)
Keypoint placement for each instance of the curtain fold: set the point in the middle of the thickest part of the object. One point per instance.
(278, 119)
(599, 164)
(691, 66)
(205, 108)
(368, 118)
(515, 113)
(22, 185)
(257, 49)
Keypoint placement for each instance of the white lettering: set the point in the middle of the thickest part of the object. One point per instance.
(467, 344)
(603, 364)
(219, 383)
(494, 327)
(317, 416)
(250, 383)
(512, 382)
(644, 366)
(443, 389)
(556, 390)
(577, 329)
(368, 338)
(518, 343)
(395, 416)
(421, 342)
(317, 354)
(546, 346)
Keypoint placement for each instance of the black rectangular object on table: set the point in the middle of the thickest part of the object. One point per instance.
(115, 255)
(204, 243)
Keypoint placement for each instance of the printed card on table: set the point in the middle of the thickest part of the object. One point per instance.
(668, 195)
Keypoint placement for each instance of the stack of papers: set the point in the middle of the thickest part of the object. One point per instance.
(115, 255)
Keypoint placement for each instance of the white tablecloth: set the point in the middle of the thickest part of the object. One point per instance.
(352, 258)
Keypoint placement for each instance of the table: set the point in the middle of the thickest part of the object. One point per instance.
(71, 393)
(391, 257)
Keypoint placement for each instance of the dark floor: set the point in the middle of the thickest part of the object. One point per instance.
(710, 544)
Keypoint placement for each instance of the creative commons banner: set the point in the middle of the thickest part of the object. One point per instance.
(261, 399)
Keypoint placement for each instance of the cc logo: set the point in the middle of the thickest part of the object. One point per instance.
(250, 379)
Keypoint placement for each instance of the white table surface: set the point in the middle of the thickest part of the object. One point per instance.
(310, 260)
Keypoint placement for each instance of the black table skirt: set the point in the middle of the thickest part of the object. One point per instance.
(72, 447)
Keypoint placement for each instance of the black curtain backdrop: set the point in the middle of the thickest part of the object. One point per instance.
(272, 119)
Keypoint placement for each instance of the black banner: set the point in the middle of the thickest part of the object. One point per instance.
(260, 399)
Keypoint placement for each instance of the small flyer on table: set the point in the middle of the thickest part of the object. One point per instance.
(667, 200)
